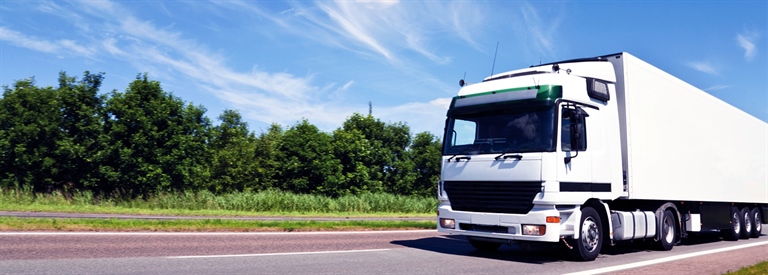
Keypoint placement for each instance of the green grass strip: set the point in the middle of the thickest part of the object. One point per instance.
(203, 203)
(201, 225)
(758, 269)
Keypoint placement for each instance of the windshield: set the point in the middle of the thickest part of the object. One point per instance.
(500, 131)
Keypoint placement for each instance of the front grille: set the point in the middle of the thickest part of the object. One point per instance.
(492, 196)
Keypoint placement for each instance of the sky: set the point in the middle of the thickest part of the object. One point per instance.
(284, 61)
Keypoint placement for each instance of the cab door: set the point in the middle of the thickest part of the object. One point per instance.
(573, 153)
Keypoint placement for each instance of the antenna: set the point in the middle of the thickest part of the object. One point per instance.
(370, 108)
(494, 57)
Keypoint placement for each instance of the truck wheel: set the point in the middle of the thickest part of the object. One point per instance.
(746, 229)
(757, 222)
(587, 246)
(668, 232)
(484, 245)
(733, 233)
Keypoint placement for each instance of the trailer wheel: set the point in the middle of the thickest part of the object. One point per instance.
(668, 231)
(733, 233)
(484, 245)
(590, 241)
(746, 229)
(757, 222)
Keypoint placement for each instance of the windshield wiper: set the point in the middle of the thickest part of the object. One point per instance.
(506, 156)
(459, 158)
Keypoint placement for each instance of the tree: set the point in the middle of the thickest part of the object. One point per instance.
(309, 163)
(80, 124)
(353, 151)
(388, 143)
(155, 142)
(29, 133)
(269, 159)
(233, 146)
(425, 152)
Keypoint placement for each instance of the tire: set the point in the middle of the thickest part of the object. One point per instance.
(668, 234)
(733, 233)
(746, 229)
(757, 222)
(484, 245)
(590, 241)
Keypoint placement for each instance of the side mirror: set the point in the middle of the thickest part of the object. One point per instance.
(576, 119)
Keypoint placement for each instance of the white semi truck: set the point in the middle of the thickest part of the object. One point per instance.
(593, 151)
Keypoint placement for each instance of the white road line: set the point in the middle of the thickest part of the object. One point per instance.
(212, 233)
(276, 254)
(667, 259)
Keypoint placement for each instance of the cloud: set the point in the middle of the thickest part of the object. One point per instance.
(747, 42)
(535, 29)
(390, 29)
(703, 67)
(717, 88)
(24, 41)
(63, 46)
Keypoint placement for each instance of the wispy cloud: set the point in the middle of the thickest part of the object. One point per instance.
(63, 46)
(747, 42)
(388, 29)
(540, 32)
(717, 88)
(703, 66)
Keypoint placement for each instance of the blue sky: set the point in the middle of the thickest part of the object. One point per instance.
(281, 61)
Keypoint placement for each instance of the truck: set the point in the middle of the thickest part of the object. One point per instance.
(592, 152)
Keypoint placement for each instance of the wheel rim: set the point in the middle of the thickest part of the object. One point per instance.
(590, 234)
(669, 231)
(747, 223)
(758, 223)
(735, 221)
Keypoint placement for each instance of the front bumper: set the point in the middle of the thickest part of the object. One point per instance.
(510, 226)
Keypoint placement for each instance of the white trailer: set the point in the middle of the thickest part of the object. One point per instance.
(599, 150)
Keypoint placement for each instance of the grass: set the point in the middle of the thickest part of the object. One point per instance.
(269, 203)
(203, 225)
(265, 203)
(758, 269)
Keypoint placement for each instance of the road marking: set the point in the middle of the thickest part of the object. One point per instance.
(667, 259)
(215, 233)
(276, 254)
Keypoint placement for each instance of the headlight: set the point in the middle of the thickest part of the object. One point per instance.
(537, 230)
(447, 223)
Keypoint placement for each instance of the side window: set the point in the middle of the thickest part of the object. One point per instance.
(464, 132)
(567, 128)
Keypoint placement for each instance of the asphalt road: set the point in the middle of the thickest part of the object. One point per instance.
(398, 252)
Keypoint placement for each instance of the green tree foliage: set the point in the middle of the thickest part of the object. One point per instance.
(28, 136)
(354, 153)
(80, 127)
(233, 147)
(145, 140)
(309, 165)
(387, 163)
(269, 159)
(425, 153)
(154, 142)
